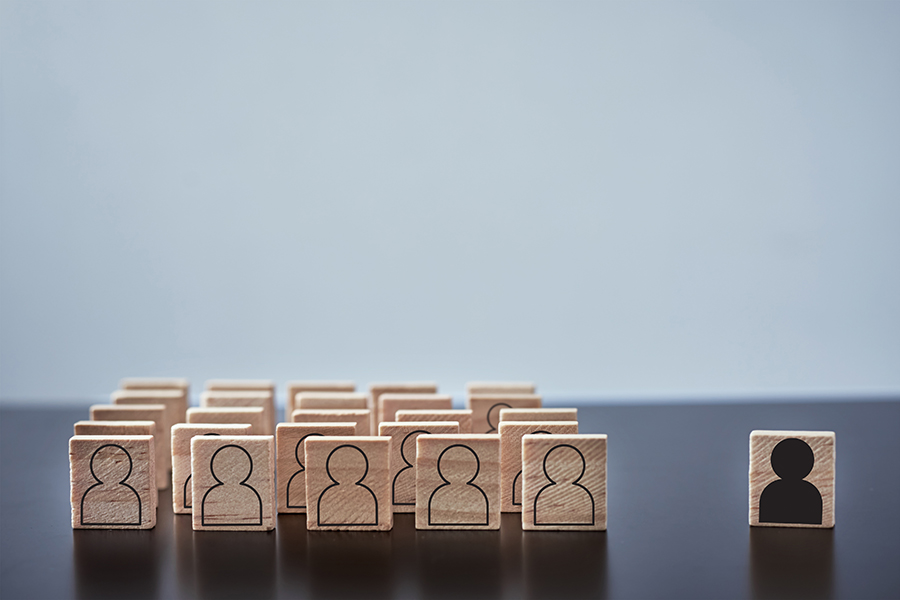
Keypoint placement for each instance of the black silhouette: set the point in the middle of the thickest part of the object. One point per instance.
(188, 500)
(458, 490)
(517, 480)
(407, 472)
(350, 492)
(110, 470)
(791, 499)
(301, 490)
(497, 407)
(234, 499)
(563, 490)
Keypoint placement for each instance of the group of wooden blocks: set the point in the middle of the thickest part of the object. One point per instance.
(348, 460)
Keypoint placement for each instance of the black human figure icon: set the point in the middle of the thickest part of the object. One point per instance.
(458, 467)
(791, 499)
(493, 414)
(234, 501)
(405, 479)
(517, 480)
(296, 494)
(564, 501)
(111, 466)
(188, 500)
(347, 490)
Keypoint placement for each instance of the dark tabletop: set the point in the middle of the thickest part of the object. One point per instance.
(677, 525)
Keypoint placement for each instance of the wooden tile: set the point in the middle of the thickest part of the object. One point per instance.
(458, 482)
(248, 415)
(511, 433)
(241, 384)
(233, 482)
(182, 433)
(461, 416)
(297, 386)
(112, 481)
(390, 403)
(290, 441)
(538, 414)
(243, 398)
(352, 400)
(161, 383)
(486, 408)
(792, 478)
(141, 412)
(403, 457)
(362, 418)
(171, 399)
(397, 387)
(499, 387)
(564, 482)
(348, 483)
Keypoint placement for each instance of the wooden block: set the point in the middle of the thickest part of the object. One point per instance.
(182, 433)
(403, 458)
(171, 399)
(243, 398)
(389, 404)
(296, 386)
(241, 384)
(141, 412)
(352, 400)
(233, 482)
(290, 446)
(461, 416)
(458, 481)
(486, 408)
(112, 481)
(362, 418)
(538, 414)
(499, 387)
(511, 433)
(248, 415)
(792, 478)
(161, 383)
(564, 482)
(398, 387)
(348, 483)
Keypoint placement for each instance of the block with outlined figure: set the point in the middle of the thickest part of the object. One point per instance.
(348, 483)
(296, 386)
(486, 408)
(290, 451)
(463, 416)
(403, 457)
(112, 481)
(792, 478)
(254, 416)
(233, 482)
(538, 414)
(511, 433)
(564, 482)
(458, 481)
(141, 412)
(362, 417)
(182, 433)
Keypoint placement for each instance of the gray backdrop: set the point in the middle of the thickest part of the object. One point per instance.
(621, 200)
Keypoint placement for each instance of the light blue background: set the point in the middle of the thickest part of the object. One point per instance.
(622, 200)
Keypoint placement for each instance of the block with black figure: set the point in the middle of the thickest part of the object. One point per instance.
(182, 434)
(511, 433)
(403, 457)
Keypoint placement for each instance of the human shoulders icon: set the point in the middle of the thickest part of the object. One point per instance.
(564, 500)
(459, 500)
(231, 501)
(347, 501)
(493, 416)
(111, 466)
(790, 498)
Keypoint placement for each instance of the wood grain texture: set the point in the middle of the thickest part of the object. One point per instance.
(112, 481)
(362, 418)
(458, 481)
(397, 387)
(242, 399)
(564, 482)
(233, 483)
(390, 403)
(290, 444)
(162, 383)
(296, 386)
(403, 457)
(511, 433)
(247, 415)
(499, 387)
(141, 412)
(171, 399)
(462, 416)
(348, 483)
(182, 433)
(486, 408)
(538, 414)
(822, 475)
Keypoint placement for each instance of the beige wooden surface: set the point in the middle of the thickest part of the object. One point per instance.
(390, 403)
(458, 481)
(822, 474)
(241, 384)
(538, 414)
(249, 415)
(348, 483)
(499, 387)
(182, 433)
(511, 433)
(112, 481)
(352, 400)
(171, 399)
(161, 383)
(397, 387)
(290, 452)
(142, 412)
(564, 482)
(362, 418)
(242, 399)
(233, 483)
(486, 408)
(462, 416)
(403, 457)
(296, 386)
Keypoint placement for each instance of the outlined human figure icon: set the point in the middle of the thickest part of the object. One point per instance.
(405, 479)
(564, 500)
(517, 480)
(231, 501)
(188, 500)
(296, 490)
(791, 499)
(493, 416)
(111, 466)
(347, 501)
(458, 467)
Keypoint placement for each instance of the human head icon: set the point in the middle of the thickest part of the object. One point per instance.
(231, 465)
(792, 459)
(458, 464)
(564, 464)
(354, 466)
(493, 415)
(111, 464)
